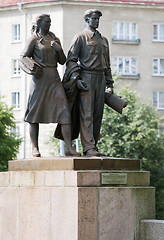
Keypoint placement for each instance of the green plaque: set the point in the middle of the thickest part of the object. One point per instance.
(114, 178)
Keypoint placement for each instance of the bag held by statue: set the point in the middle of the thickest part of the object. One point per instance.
(115, 102)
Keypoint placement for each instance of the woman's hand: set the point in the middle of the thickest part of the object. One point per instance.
(56, 46)
(37, 71)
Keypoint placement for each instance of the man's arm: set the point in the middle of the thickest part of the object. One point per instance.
(108, 72)
(72, 67)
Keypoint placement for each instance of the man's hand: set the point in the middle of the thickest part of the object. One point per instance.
(109, 90)
(81, 85)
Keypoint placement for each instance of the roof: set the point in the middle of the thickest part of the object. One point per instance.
(5, 3)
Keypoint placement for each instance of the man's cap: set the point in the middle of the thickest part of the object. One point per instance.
(89, 13)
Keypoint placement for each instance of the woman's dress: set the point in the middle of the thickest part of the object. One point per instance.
(47, 101)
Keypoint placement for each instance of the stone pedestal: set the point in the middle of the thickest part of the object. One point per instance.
(152, 229)
(37, 202)
(76, 163)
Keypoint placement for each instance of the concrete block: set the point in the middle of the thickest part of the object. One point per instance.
(119, 223)
(39, 178)
(8, 213)
(68, 204)
(70, 178)
(88, 213)
(87, 164)
(73, 163)
(64, 214)
(120, 164)
(125, 207)
(4, 179)
(21, 179)
(34, 211)
(41, 164)
(76, 213)
(145, 205)
(152, 229)
(88, 178)
(54, 178)
(55, 163)
(138, 178)
(26, 178)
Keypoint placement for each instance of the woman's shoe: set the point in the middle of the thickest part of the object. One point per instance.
(36, 153)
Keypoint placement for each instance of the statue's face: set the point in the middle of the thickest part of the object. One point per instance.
(45, 24)
(93, 21)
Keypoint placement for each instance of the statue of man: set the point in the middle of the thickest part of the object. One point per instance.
(88, 68)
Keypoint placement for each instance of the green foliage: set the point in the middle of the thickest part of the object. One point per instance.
(135, 134)
(9, 142)
(54, 144)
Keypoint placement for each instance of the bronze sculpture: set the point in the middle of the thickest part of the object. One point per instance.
(47, 101)
(87, 77)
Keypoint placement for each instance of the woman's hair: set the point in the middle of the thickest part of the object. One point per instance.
(35, 26)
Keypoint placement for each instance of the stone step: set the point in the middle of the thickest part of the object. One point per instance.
(74, 163)
(70, 178)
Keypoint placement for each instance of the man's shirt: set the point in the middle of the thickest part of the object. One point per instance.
(90, 51)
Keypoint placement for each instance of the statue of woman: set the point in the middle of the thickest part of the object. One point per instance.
(47, 101)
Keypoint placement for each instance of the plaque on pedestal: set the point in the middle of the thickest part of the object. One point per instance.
(113, 178)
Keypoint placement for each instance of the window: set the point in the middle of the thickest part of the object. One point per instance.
(126, 66)
(158, 67)
(158, 100)
(158, 32)
(15, 68)
(16, 100)
(124, 31)
(16, 32)
(16, 131)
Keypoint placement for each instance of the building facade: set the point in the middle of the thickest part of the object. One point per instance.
(135, 30)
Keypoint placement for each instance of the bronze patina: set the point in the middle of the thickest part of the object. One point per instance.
(47, 101)
(87, 77)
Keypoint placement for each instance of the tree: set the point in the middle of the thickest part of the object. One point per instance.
(136, 134)
(9, 141)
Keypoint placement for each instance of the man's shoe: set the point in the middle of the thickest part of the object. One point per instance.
(92, 152)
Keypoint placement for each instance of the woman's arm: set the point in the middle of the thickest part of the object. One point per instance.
(26, 62)
(60, 53)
